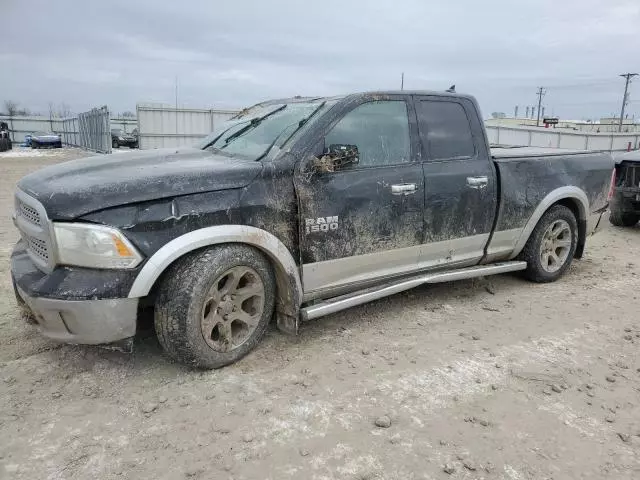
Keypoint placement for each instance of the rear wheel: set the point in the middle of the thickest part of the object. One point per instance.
(551, 246)
(214, 306)
(620, 219)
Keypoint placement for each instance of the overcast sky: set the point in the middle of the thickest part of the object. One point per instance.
(229, 54)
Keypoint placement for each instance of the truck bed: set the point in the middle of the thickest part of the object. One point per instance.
(527, 175)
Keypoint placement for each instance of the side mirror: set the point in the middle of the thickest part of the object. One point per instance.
(337, 157)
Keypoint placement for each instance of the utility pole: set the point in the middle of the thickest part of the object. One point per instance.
(176, 107)
(625, 98)
(402, 81)
(541, 93)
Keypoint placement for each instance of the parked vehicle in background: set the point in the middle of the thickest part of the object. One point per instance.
(121, 139)
(300, 207)
(625, 197)
(5, 137)
(46, 140)
(27, 140)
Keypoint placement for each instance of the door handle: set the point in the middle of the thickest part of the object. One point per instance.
(477, 182)
(403, 189)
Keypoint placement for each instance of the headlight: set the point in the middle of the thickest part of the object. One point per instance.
(94, 246)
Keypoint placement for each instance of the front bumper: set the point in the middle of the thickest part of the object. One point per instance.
(76, 305)
(128, 143)
(91, 322)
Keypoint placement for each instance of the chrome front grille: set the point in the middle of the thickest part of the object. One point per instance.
(29, 213)
(33, 224)
(37, 246)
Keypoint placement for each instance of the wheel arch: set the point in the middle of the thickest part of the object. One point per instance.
(571, 197)
(288, 284)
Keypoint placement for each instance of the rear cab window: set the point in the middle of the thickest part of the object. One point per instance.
(445, 130)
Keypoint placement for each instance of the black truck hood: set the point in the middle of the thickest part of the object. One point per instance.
(72, 189)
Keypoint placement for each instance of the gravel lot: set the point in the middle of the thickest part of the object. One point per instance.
(495, 378)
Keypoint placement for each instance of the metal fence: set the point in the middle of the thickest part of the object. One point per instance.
(540, 137)
(20, 126)
(162, 126)
(91, 130)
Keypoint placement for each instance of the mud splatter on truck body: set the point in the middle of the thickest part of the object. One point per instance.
(340, 194)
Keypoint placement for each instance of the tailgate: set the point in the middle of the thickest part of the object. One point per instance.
(629, 177)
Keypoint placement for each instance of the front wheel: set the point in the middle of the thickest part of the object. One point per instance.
(214, 306)
(551, 246)
(620, 219)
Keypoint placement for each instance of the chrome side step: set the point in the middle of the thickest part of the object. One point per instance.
(343, 302)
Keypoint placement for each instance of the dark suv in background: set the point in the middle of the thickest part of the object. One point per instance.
(122, 139)
(625, 196)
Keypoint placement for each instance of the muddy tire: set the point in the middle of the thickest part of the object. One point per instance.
(214, 306)
(551, 246)
(114, 144)
(620, 219)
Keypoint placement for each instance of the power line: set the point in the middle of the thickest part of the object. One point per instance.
(541, 93)
(625, 97)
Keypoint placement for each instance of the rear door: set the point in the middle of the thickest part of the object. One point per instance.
(460, 181)
(365, 221)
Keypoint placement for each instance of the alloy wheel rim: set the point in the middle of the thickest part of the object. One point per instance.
(555, 246)
(233, 308)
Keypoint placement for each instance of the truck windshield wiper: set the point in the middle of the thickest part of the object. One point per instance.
(300, 125)
(252, 124)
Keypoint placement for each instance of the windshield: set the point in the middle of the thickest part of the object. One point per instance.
(252, 137)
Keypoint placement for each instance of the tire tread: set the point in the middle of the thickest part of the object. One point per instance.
(174, 304)
(530, 252)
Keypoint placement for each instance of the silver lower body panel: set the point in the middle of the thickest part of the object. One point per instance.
(337, 304)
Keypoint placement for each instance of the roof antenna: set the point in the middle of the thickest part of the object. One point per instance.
(452, 89)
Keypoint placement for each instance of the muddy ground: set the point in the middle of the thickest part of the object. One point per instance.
(494, 379)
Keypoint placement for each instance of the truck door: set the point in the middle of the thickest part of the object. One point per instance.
(362, 221)
(460, 181)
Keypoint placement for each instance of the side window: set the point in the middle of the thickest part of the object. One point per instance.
(445, 130)
(380, 130)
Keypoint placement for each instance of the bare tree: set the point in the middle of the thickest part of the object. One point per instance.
(64, 111)
(128, 114)
(11, 107)
(52, 114)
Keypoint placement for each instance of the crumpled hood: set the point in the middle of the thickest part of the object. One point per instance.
(72, 189)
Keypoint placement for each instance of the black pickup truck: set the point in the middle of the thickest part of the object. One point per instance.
(297, 208)
(625, 200)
